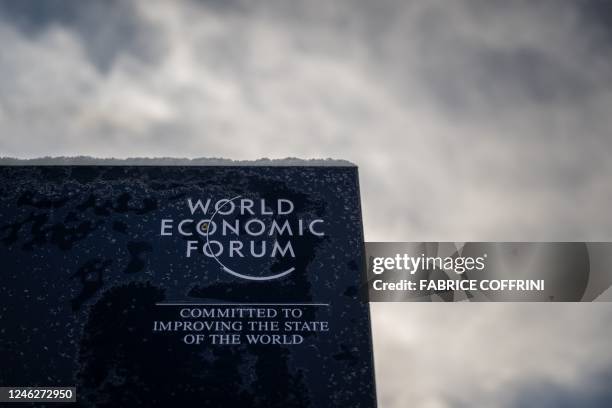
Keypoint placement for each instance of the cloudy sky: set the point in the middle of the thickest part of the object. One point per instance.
(470, 120)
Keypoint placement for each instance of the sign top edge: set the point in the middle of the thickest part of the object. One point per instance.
(171, 161)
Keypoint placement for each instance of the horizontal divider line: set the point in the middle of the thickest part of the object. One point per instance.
(239, 304)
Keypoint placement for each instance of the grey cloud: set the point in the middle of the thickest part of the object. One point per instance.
(105, 29)
(595, 392)
(496, 355)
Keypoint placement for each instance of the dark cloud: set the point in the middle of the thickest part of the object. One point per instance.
(593, 392)
(106, 28)
(493, 355)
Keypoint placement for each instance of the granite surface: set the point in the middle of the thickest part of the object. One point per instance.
(85, 273)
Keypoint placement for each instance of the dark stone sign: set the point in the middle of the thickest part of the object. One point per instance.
(173, 285)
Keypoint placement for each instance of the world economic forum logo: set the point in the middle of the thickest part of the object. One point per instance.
(249, 238)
